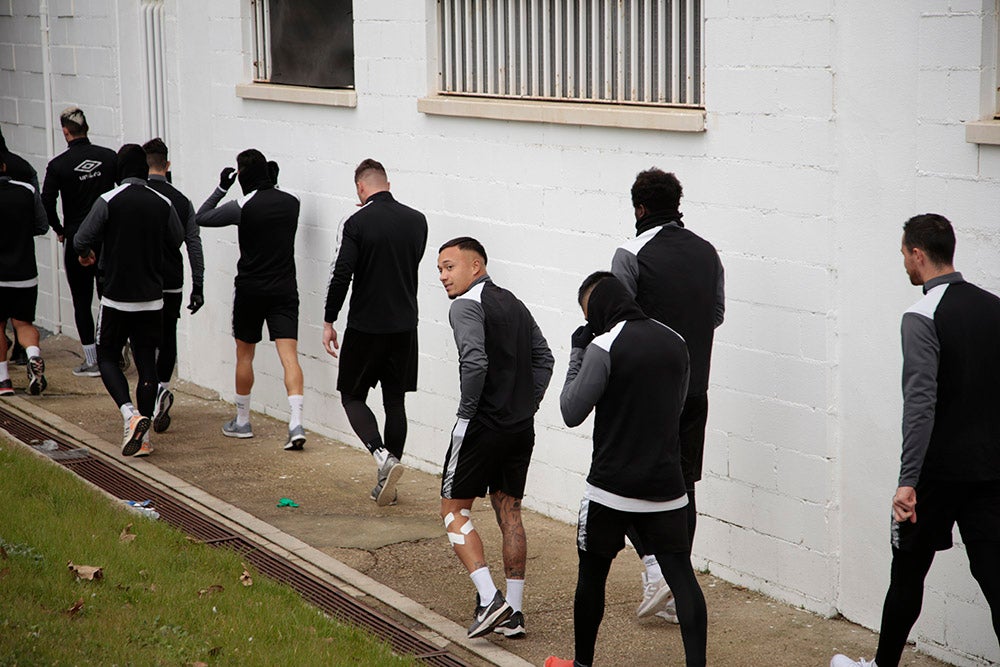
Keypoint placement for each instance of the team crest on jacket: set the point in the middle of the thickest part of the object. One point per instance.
(87, 166)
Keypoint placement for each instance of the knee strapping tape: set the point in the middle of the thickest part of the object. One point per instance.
(465, 529)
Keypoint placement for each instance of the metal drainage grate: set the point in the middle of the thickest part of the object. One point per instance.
(326, 596)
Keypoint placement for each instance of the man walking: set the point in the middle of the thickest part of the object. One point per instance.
(173, 279)
(380, 247)
(504, 366)
(79, 175)
(950, 464)
(634, 374)
(265, 286)
(134, 225)
(676, 278)
(23, 219)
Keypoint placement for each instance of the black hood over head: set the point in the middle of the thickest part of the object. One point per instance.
(256, 176)
(609, 304)
(132, 163)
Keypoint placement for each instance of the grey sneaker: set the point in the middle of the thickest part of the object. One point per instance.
(161, 410)
(233, 430)
(135, 430)
(513, 627)
(296, 438)
(377, 491)
(86, 370)
(7, 389)
(36, 376)
(489, 616)
(388, 474)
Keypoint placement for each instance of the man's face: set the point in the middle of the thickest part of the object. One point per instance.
(457, 269)
(910, 263)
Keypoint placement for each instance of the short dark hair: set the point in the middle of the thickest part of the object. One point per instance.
(590, 282)
(73, 119)
(466, 243)
(657, 190)
(156, 153)
(933, 234)
(367, 165)
(250, 157)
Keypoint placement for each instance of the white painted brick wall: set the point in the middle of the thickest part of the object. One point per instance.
(828, 125)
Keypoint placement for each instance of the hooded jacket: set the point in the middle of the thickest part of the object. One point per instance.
(80, 174)
(23, 218)
(18, 169)
(634, 374)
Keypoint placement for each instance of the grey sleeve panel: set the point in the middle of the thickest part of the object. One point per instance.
(921, 352)
(586, 381)
(720, 294)
(91, 231)
(625, 266)
(467, 321)
(223, 216)
(196, 256)
(542, 362)
(175, 230)
(41, 217)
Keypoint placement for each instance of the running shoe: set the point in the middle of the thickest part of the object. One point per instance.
(36, 376)
(489, 616)
(388, 475)
(87, 370)
(296, 438)
(655, 596)
(513, 627)
(669, 612)
(377, 491)
(145, 450)
(135, 429)
(6, 387)
(553, 661)
(233, 430)
(840, 660)
(161, 410)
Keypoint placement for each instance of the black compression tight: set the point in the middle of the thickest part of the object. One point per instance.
(588, 606)
(81, 281)
(166, 355)
(366, 426)
(906, 594)
(108, 359)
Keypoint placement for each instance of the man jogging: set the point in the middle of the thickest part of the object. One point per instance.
(380, 247)
(504, 367)
(79, 175)
(173, 278)
(634, 374)
(134, 225)
(266, 289)
(676, 278)
(23, 218)
(950, 463)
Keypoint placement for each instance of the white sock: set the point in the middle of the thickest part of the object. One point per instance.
(653, 572)
(90, 352)
(127, 411)
(381, 456)
(33, 351)
(165, 386)
(295, 403)
(484, 585)
(4, 373)
(515, 593)
(242, 409)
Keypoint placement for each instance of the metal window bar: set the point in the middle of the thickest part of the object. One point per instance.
(614, 51)
(261, 19)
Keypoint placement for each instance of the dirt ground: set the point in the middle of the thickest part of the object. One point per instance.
(405, 547)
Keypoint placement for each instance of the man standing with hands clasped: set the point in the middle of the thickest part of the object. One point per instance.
(380, 247)
(950, 464)
(504, 367)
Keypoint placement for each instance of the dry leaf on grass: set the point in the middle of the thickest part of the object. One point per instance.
(214, 588)
(77, 606)
(197, 664)
(4, 572)
(245, 578)
(152, 588)
(127, 534)
(88, 572)
(3, 553)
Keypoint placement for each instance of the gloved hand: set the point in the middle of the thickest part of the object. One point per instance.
(197, 300)
(582, 336)
(226, 178)
(458, 432)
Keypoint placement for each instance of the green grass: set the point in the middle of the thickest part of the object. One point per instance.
(147, 609)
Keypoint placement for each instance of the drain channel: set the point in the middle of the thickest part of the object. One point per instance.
(324, 595)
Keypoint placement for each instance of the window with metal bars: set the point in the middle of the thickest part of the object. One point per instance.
(646, 52)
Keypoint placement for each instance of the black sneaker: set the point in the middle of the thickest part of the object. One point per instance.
(161, 410)
(6, 387)
(36, 376)
(488, 617)
(513, 627)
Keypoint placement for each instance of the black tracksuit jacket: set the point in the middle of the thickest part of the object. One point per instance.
(80, 174)
(23, 218)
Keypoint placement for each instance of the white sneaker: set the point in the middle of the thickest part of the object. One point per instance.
(840, 660)
(669, 611)
(655, 595)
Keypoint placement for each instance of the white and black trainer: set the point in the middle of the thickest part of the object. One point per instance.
(486, 618)
(161, 410)
(513, 627)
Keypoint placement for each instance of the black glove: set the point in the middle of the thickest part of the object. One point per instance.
(272, 171)
(197, 300)
(226, 178)
(582, 336)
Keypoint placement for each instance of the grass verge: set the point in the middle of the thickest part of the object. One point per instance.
(163, 599)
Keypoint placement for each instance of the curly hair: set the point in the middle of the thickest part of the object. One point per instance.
(657, 190)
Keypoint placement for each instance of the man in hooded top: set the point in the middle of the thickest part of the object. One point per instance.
(266, 288)
(134, 226)
(633, 371)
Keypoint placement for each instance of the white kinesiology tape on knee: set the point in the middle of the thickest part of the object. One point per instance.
(465, 529)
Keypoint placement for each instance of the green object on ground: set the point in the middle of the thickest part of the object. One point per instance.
(287, 502)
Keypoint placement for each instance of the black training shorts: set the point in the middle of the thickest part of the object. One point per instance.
(172, 306)
(601, 530)
(486, 461)
(367, 359)
(144, 328)
(250, 311)
(693, 418)
(974, 506)
(18, 303)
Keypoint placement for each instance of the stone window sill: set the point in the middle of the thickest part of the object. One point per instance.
(331, 97)
(983, 132)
